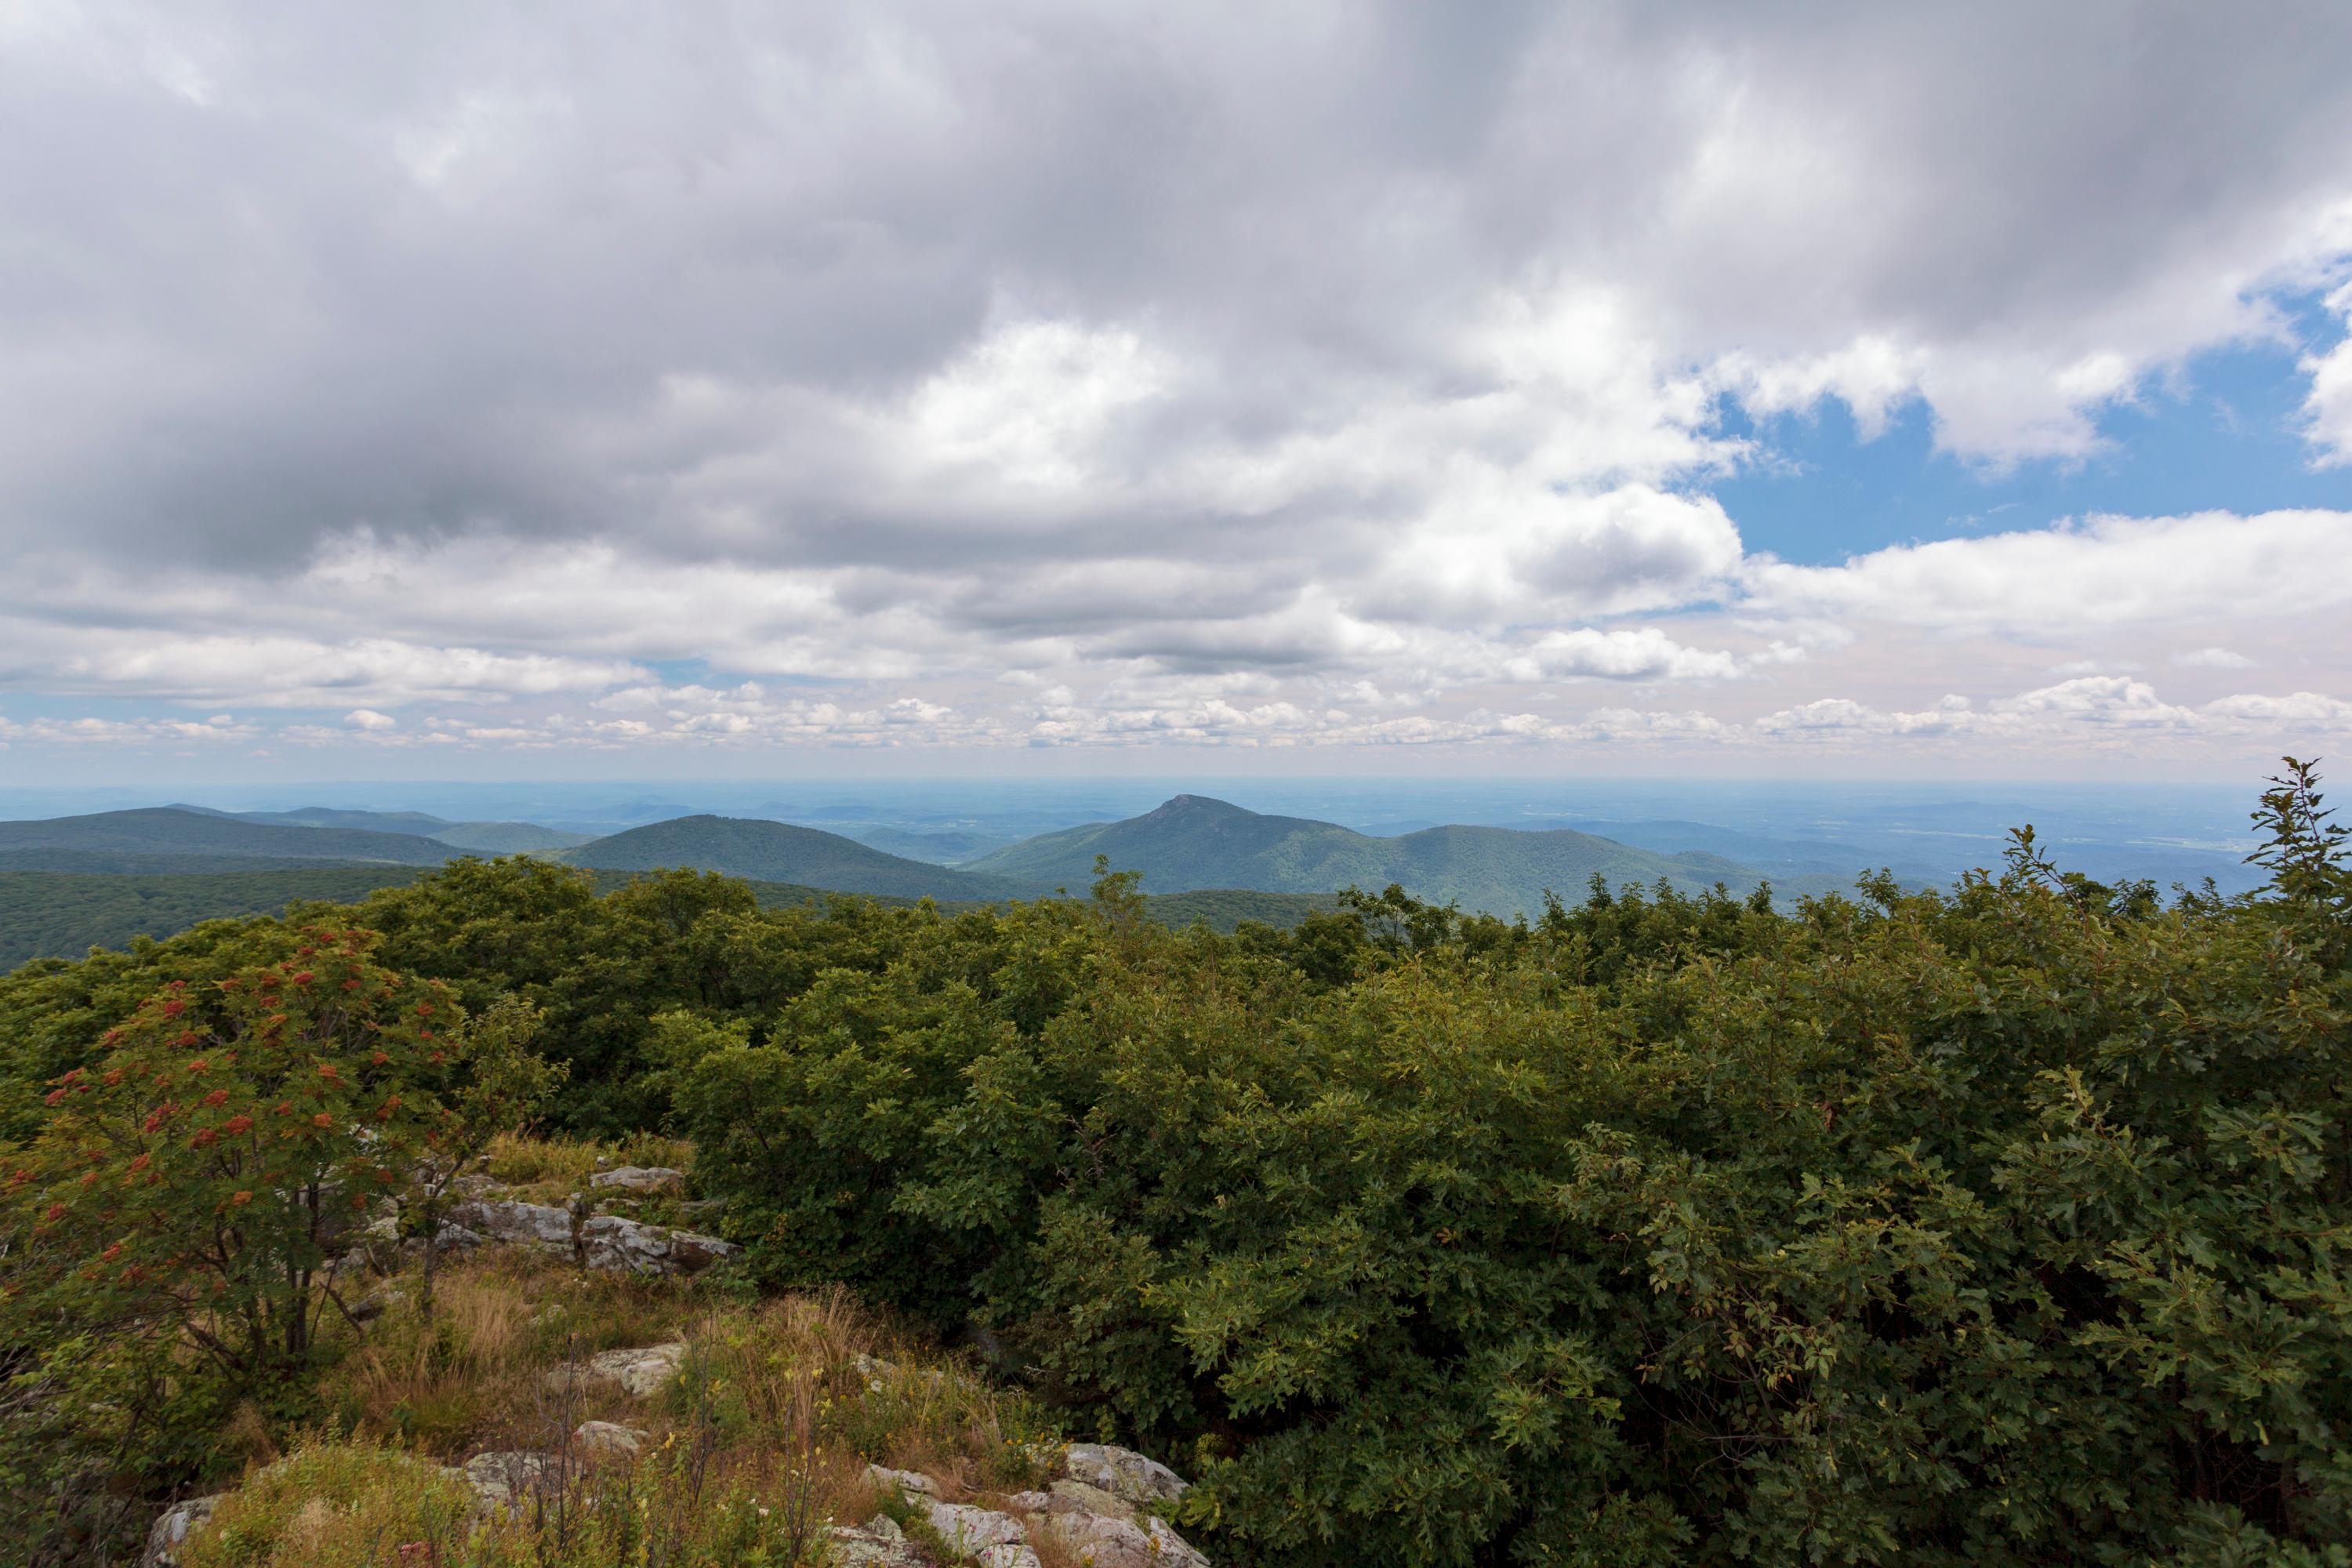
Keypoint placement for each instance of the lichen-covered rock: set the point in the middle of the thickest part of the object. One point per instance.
(608, 1438)
(170, 1531)
(1123, 1472)
(509, 1220)
(641, 1373)
(1093, 1500)
(690, 1252)
(968, 1529)
(1007, 1557)
(641, 1179)
(877, 1543)
(505, 1477)
(1105, 1530)
(608, 1241)
(452, 1240)
(901, 1480)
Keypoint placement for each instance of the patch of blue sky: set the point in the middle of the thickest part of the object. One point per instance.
(2222, 433)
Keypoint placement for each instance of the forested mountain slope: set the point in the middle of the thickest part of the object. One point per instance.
(1195, 842)
(780, 852)
(77, 843)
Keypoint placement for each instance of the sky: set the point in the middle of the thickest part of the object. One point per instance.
(582, 390)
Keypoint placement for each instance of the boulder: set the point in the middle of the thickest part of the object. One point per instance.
(901, 1480)
(690, 1252)
(608, 1241)
(1123, 1473)
(1007, 1557)
(967, 1530)
(608, 1438)
(641, 1373)
(1105, 1531)
(1092, 1499)
(452, 1240)
(641, 1179)
(506, 1219)
(877, 1543)
(170, 1531)
(504, 1476)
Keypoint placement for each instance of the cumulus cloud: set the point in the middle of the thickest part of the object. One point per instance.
(787, 376)
(2327, 410)
(2059, 583)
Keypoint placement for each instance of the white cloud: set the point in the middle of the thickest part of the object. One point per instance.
(2212, 659)
(1101, 378)
(2064, 583)
(2327, 410)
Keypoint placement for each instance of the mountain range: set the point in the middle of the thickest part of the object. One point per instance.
(1193, 842)
(68, 882)
(778, 852)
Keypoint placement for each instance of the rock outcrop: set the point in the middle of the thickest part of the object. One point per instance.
(170, 1531)
(968, 1530)
(608, 1241)
(642, 1372)
(877, 1543)
(608, 1438)
(1097, 1513)
(641, 1179)
(1124, 1473)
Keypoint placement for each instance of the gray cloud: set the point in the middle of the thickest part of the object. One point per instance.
(490, 350)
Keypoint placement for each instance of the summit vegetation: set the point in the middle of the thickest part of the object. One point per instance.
(1999, 1224)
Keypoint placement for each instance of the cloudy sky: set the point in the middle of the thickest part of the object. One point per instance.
(484, 388)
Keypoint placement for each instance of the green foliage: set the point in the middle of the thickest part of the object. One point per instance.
(175, 830)
(333, 1505)
(192, 1184)
(58, 914)
(780, 852)
(2002, 1225)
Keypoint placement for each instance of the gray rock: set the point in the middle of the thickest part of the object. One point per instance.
(504, 1476)
(608, 1241)
(901, 1480)
(1007, 1557)
(506, 1219)
(641, 1179)
(691, 1252)
(1105, 1531)
(170, 1531)
(608, 1438)
(452, 1240)
(1092, 1499)
(1123, 1473)
(968, 1529)
(873, 1548)
(1141, 1541)
(641, 1373)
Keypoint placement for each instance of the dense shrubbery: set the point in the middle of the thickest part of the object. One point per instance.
(1995, 1225)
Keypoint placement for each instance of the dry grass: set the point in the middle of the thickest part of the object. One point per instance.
(763, 1440)
(546, 1169)
(469, 1378)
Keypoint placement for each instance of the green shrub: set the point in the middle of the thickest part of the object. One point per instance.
(335, 1505)
(1996, 1226)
